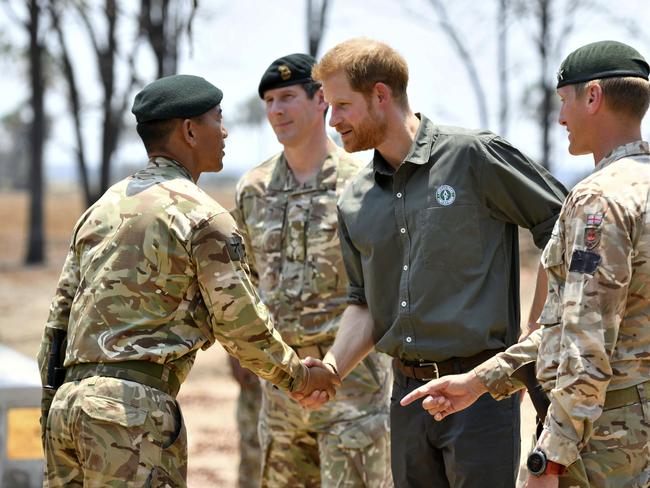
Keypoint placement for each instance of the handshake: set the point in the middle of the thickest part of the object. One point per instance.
(320, 384)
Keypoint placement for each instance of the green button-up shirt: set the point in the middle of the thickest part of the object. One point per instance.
(432, 247)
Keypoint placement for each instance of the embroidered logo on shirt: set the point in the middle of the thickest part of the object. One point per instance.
(445, 195)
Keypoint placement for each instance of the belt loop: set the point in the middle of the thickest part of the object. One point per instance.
(165, 374)
(642, 393)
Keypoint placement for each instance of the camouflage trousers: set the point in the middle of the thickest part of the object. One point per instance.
(110, 432)
(345, 444)
(248, 410)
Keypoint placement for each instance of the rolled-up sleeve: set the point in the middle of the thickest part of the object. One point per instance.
(352, 262)
(517, 190)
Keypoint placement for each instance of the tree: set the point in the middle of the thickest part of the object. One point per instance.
(316, 15)
(163, 22)
(159, 22)
(36, 238)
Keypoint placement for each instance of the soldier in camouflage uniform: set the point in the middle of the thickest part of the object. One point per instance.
(593, 349)
(248, 412)
(156, 270)
(287, 212)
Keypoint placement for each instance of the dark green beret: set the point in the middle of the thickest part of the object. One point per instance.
(603, 59)
(287, 70)
(176, 96)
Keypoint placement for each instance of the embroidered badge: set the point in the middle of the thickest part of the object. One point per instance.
(445, 195)
(592, 237)
(584, 262)
(594, 220)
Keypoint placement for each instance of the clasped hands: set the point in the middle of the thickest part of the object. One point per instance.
(320, 385)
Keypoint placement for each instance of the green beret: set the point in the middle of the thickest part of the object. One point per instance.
(287, 70)
(603, 59)
(176, 96)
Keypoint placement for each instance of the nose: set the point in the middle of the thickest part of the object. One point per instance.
(224, 132)
(274, 107)
(560, 118)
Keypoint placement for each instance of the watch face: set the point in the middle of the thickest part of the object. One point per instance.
(536, 463)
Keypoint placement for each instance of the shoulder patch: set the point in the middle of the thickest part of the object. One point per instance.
(584, 262)
(235, 247)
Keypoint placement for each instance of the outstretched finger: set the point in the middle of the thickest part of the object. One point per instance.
(423, 391)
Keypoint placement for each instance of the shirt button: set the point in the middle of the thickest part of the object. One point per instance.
(399, 195)
(408, 339)
(403, 304)
(403, 230)
(406, 267)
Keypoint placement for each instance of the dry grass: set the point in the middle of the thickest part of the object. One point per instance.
(208, 397)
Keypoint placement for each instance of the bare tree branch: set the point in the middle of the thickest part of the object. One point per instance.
(74, 101)
(465, 57)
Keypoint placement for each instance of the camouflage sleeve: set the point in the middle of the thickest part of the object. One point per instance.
(599, 247)
(238, 318)
(496, 372)
(58, 319)
(239, 213)
(60, 308)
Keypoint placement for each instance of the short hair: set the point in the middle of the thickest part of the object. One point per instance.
(154, 133)
(627, 94)
(366, 62)
(311, 88)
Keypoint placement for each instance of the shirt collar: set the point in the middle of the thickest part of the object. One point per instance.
(629, 149)
(420, 151)
(283, 179)
(175, 166)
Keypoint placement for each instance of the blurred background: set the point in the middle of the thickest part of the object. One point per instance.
(70, 69)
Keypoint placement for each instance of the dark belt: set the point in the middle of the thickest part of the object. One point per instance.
(155, 375)
(429, 370)
(626, 396)
(317, 351)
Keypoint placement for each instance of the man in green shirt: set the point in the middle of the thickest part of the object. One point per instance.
(429, 239)
(591, 354)
(286, 210)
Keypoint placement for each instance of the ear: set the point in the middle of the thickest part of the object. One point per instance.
(382, 92)
(320, 99)
(187, 130)
(594, 98)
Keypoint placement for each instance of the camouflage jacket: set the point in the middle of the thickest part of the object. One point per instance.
(155, 271)
(594, 337)
(292, 237)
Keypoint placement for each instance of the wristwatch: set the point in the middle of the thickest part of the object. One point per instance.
(538, 464)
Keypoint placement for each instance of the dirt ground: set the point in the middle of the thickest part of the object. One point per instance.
(208, 398)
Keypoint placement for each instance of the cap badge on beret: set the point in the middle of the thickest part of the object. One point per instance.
(292, 69)
(285, 72)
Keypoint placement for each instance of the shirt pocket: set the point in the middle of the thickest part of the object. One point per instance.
(451, 237)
